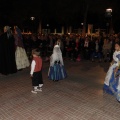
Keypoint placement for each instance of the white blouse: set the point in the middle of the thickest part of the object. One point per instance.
(32, 67)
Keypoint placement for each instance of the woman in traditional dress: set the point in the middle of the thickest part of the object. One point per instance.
(20, 54)
(7, 52)
(112, 79)
(56, 71)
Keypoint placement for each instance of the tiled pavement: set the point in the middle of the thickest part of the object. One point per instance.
(79, 97)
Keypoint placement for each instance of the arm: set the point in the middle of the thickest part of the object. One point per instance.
(32, 67)
(117, 62)
(51, 61)
(115, 58)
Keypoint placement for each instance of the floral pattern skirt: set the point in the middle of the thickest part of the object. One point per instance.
(21, 58)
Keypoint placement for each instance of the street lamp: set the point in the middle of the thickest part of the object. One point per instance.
(107, 24)
(109, 16)
(47, 28)
(82, 27)
(109, 12)
(32, 18)
(82, 24)
(47, 25)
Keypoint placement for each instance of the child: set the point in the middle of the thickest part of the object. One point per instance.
(56, 71)
(112, 79)
(36, 71)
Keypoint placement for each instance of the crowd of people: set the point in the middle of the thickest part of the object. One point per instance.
(14, 57)
(75, 47)
(17, 51)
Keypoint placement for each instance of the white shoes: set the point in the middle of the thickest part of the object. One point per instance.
(36, 90)
(33, 91)
(39, 90)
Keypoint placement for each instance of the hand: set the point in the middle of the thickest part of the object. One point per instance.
(31, 75)
(116, 69)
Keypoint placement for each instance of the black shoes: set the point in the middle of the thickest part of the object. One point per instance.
(55, 80)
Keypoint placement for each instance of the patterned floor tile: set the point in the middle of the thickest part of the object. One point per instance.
(79, 97)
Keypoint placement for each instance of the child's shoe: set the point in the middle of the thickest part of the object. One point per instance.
(38, 90)
(34, 91)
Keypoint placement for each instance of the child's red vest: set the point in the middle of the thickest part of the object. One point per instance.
(38, 65)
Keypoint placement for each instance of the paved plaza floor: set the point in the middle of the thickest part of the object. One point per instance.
(78, 97)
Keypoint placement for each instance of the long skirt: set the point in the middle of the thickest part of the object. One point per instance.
(57, 72)
(109, 74)
(21, 58)
(113, 87)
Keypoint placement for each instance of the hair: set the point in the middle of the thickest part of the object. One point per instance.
(8, 30)
(18, 32)
(36, 52)
(118, 43)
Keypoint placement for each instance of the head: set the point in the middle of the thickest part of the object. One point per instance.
(77, 40)
(117, 46)
(6, 29)
(86, 39)
(17, 31)
(35, 52)
(107, 40)
(56, 49)
(59, 40)
(34, 37)
(117, 39)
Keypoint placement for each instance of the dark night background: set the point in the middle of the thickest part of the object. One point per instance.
(58, 12)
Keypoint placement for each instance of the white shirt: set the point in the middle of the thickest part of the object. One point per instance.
(32, 67)
(115, 58)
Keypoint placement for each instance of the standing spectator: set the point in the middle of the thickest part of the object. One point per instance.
(7, 52)
(27, 41)
(86, 49)
(96, 51)
(72, 48)
(77, 50)
(35, 42)
(106, 49)
(67, 48)
(112, 47)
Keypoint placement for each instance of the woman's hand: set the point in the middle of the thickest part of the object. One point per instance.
(116, 69)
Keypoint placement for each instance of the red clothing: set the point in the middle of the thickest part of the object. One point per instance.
(77, 44)
(38, 65)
